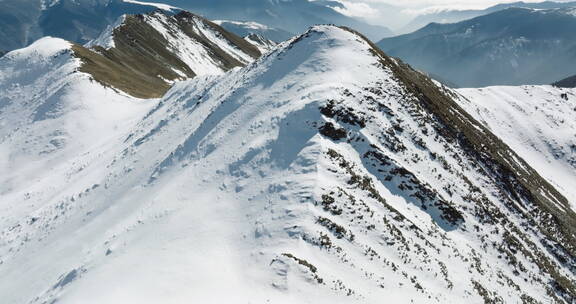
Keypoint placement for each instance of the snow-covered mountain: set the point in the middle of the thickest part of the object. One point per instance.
(24, 21)
(293, 16)
(455, 16)
(144, 54)
(60, 99)
(515, 46)
(323, 172)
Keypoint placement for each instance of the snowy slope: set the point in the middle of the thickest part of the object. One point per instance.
(538, 122)
(143, 55)
(194, 52)
(324, 172)
(203, 47)
(52, 118)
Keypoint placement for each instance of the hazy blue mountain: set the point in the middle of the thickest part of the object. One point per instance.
(569, 82)
(294, 16)
(17, 23)
(508, 47)
(24, 21)
(454, 16)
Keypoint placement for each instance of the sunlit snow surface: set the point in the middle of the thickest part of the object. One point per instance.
(538, 122)
(212, 194)
(195, 53)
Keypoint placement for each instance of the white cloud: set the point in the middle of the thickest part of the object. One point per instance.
(357, 9)
(397, 13)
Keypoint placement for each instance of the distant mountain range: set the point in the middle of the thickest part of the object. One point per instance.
(569, 82)
(509, 47)
(244, 29)
(293, 16)
(23, 21)
(454, 16)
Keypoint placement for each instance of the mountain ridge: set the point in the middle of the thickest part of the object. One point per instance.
(144, 54)
(24, 21)
(293, 16)
(510, 47)
(323, 171)
(455, 16)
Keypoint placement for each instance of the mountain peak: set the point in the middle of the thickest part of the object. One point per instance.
(148, 52)
(323, 171)
(334, 47)
(505, 47)
(43, 48)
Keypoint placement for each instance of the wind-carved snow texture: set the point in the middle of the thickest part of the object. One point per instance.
(538, 122)
(310, 176)
(194, 52)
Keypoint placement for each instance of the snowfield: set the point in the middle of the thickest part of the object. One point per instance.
(312, 175)
(51, 118)
(538, 122)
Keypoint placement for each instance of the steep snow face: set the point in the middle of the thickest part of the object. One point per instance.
(538, 122)
(200, 45)
(144, 55)
(313, 175)
(194, 53)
